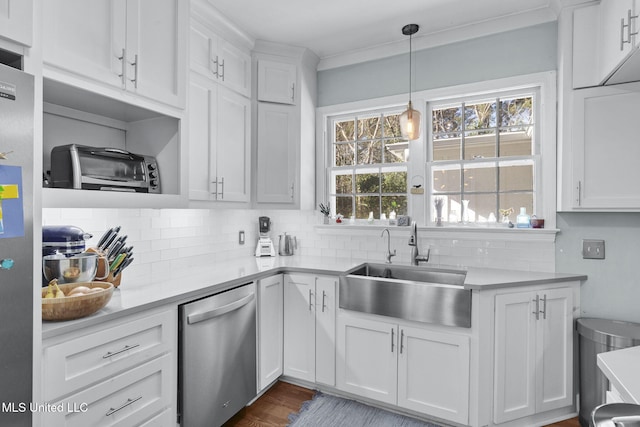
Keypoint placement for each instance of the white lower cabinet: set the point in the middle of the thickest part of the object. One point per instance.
(533, 353)
(270, 330)
(120, 373)
(414, 368)
(309, 327)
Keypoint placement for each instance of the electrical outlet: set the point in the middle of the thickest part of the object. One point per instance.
(241, 237)
(592, 249)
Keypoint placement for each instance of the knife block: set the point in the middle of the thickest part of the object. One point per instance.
(115, 281)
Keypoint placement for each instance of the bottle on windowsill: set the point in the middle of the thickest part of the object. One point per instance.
(523, 220)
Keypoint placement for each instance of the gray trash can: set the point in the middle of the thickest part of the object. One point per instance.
(598, 336)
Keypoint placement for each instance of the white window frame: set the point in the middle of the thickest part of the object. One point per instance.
(545, 195)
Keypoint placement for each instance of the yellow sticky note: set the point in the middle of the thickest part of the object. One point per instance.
(8, 191)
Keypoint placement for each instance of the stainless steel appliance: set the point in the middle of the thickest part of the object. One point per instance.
(265, 245)
(103, 168)
(67, 240)
(287, 244)
(16, 244)
(217, 357)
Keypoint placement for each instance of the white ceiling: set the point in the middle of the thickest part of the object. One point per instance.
(338, 27)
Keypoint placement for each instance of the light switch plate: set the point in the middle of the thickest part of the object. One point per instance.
(592, 249)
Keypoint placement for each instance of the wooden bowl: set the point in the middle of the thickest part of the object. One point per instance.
(69, 308)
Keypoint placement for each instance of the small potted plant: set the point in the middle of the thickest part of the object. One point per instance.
(326, 211)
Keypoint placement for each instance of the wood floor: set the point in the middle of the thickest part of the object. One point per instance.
(273, 408)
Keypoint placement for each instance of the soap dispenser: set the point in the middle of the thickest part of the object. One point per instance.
(523, 220)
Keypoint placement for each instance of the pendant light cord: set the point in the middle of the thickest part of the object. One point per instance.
(410, 50)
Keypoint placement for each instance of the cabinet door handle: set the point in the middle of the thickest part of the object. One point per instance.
(627, 26)
(544, 307)
(222, 188)
(124, 405)
(123, 67)
(122, 350)
(310, 304)
(393, 339)
(135, 71)
(401, 340)
(324, 295)
(221, 75)
(537, 311)
(293, 92)
(292, 188)
(215, 193)
(579, 188)
(215, 69)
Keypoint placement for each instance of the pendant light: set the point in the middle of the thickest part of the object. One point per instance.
(410, 119)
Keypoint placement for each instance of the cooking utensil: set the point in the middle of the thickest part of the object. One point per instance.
(64, 239)
(122, 266)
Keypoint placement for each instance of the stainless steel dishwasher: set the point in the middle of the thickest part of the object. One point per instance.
(217, 353)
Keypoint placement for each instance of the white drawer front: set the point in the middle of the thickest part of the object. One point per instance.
(128, 399)
(90, 358)
(164, 419)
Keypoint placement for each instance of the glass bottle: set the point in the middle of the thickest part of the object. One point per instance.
(523, 220)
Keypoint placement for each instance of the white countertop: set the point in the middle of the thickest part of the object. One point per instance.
(181, 285)
(621, 367)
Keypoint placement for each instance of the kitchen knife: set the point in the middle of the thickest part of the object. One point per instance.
(116, 242)
(104, 237)
(122, 266)
(110, 240)
(116, 250)
(116, 263)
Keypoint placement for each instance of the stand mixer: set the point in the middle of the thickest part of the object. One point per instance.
(265, 245)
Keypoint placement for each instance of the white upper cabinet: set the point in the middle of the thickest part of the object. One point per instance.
(16, 21)
(218, 59)
(133, 45)
(277, 81)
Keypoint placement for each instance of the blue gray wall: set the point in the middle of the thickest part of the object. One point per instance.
(512, 53)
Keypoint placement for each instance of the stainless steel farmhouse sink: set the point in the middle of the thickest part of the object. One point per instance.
(420, 294)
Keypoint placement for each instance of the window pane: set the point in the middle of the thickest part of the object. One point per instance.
(367, 183)
(344, 131)
(369, 152)
(452, 209)
(366, 204)
(392, 126)
(343, 184)
(396, 151)
(516, 177)
(400, 206)
(447, 119)
(446, 180)
(516, 201)
(516, 141)
(480, 178)
(516, 111)
(394, 182)
(480, 115)
(447, 147)
(478, 145)
(344, 154)
(344, 206)
(369, 128)
(481, 208)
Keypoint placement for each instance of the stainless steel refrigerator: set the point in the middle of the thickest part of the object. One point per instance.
(16, 245)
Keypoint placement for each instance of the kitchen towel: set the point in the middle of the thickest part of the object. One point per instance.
(330, 411)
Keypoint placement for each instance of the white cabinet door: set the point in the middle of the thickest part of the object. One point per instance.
(202, 113)
(554, 353)
(533, 353)
(367, 358)
(605, 148)
(433, 373)
(233, 147)
(270, 330)
(326, 329)
(515, 358)
(299, 326)
(276, 81)
(203, 47)
(16, 21)
(615, 40)
(86, 38)
(277, 151)
(156, 34)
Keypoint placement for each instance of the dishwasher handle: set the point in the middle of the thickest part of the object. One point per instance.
(200, 317)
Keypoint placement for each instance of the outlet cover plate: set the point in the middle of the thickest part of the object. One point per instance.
(592, 249)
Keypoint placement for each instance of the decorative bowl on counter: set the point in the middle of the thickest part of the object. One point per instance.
(76, 306)
(74, 269)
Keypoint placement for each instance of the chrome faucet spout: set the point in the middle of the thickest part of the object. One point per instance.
(389, 254)
(416, 258)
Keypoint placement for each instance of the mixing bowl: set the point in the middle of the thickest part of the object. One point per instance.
(77, 268)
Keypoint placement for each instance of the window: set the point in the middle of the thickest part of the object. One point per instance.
(368, 171)
(483, 157)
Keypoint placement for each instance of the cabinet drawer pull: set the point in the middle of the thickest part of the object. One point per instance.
(122, 350)
(537, 311)
(129, 401)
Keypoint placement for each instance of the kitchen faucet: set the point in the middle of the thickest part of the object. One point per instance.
(413, 242)
(389, 254)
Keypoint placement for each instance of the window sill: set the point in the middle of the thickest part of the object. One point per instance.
(446, 232)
